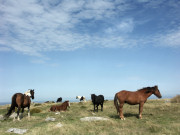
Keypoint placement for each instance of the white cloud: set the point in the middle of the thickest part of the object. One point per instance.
(170, 39)
(34, 27)
(125, 26)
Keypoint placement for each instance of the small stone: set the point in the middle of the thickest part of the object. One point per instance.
(59, 125)
(50, 119)
(93, 119)
(17, 131)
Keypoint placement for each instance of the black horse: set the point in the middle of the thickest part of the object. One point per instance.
(59, 99)
(20, 100)
(97, 100)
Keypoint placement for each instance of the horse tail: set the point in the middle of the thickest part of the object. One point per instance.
(116, 103)
(13, 103)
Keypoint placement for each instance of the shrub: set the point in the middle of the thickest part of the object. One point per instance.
(35, 110)
(37, 104)
(176, 99)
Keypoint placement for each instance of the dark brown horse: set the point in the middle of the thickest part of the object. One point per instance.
(133, 98)
(20, 100)
(62, 107)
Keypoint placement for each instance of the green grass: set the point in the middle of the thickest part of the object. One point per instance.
(159, 117)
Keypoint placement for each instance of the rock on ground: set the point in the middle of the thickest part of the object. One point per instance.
(50, 119)
(57, 113)
(17, 131)
(13, 115)
(59, 125)
(93, 119)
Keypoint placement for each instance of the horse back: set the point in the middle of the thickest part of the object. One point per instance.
(129, 97)
(27, 101)
(99, 99)
(20, 99)
(62, 107)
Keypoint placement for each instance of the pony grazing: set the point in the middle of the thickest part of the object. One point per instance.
(81, 98)
(59, 99)
(62, 107)
(20, 100)
(133, 98)
(97, 100)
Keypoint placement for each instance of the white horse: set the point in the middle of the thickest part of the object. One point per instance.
(81, 98)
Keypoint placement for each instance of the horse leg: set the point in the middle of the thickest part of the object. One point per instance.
(102, 107)
(121, 111)
(29, 111)
(140, 110)
(22, 112)
(14, 115)
(94, 107)
(19, 108)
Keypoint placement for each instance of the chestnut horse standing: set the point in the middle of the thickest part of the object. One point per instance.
(21, 101)
(133, 98)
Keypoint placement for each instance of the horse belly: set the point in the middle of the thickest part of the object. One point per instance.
(131, 103)
(133, 100)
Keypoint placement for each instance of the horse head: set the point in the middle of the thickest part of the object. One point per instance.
(93, 96)
(156, 92)
(32, 93)
(68, 103)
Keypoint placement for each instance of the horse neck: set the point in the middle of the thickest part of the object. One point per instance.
(64, 105)
(28, 93)
(146, 94)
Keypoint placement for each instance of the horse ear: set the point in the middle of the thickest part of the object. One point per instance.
(155, 87)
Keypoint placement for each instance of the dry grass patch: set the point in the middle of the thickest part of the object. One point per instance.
(176, 99)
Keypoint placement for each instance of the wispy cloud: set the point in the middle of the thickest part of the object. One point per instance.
(125, 26)
(33, 27)
(171, 39)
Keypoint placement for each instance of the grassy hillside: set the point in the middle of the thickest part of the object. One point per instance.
(159, 117)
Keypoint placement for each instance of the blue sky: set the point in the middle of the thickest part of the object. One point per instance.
(68, 47)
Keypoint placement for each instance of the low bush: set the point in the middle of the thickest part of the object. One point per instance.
(37, 104)
(176, 99)
(35, 110)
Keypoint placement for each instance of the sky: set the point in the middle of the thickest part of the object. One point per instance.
(66, 48)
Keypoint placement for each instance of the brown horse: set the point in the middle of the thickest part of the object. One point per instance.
(20, 100)
(62, 107)
(133, 98)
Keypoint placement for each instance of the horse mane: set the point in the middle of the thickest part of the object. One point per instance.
(146, 89)
(27, 93)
